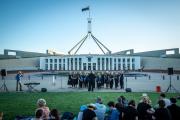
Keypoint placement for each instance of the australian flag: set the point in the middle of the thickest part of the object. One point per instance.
(85, 9)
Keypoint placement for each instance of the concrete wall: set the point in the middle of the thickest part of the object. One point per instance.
(160, 63)
(20, 64)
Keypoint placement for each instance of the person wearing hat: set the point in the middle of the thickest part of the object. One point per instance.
(89, 114)
(174, 109)
(41, 104)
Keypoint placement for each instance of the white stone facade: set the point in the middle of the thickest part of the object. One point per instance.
(90, 62)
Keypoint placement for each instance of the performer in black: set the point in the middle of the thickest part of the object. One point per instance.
(91, 81)
(121, 81)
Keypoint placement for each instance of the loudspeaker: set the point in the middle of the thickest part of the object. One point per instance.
(43, 90)
(3, 72)
(170, 71)
(128, 90)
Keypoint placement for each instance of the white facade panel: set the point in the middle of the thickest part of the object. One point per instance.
(90, 62)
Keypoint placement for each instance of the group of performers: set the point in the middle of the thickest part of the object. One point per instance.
(100, 80)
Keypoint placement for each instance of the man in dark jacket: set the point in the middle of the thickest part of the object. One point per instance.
(174, 109)
(91, 81)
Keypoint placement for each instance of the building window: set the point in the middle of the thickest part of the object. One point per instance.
(89, 66)
(119, 60)
(55, 60)
(128, 66)
(80, 63)
(110, 63)
(55, 66)
(63, 66)
(133, 66)
(124, 67)
(94, 66)
(98, 63)
(46, 66)
(59, 60)
(71, 63)
(51, 60)
(103, 64)
(89, 59)
(123, 60)
(60, 68)
(133, 60)
(84, 66)
(68, 63)
(119, 66)
(51, 67)
(75, 63)
(128, 60)
(107, 64)
(46, 60)
(114, 63)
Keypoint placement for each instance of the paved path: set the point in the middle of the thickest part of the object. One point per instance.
(140, 84)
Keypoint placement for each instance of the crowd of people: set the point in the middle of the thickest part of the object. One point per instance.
(121, 109)
(91, 80)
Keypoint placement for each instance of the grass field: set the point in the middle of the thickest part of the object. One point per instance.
(13, 104)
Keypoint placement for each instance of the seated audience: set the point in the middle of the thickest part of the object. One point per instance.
(174, 109)
(122, 100)
(113, 112)
(166, 100)
(41, 103)
(144, 109)
(1, 115)
(80, 114)
(162, 113)
(101, 109)
(130, 112)
(39, 114)
(54, 114)
(89, 114)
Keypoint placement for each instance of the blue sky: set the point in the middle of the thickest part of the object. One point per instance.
(38, 25)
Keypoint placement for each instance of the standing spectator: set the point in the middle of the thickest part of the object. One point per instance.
(162, 113)
(18, 81)
(113, 113)
(130, 112)
(174, 109)
(41, 103)
(89, 114)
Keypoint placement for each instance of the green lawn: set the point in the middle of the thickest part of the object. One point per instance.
(13, 104)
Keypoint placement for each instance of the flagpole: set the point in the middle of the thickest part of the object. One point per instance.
(89, 12)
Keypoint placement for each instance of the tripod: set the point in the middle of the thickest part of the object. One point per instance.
(171, 87)
(4, 87)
